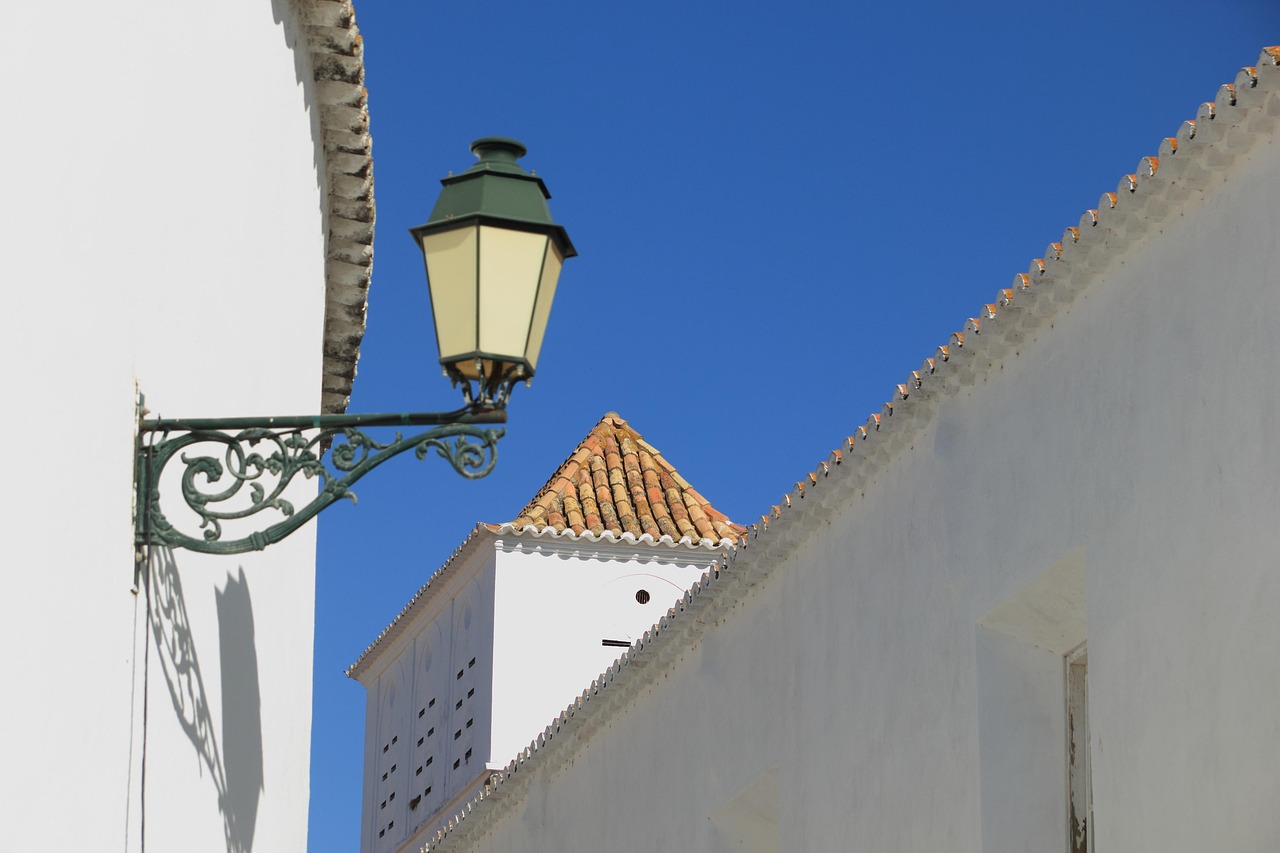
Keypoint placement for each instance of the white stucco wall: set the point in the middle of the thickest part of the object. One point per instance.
(423, 684)
(163, 227)
(878, 686)
(555, 602)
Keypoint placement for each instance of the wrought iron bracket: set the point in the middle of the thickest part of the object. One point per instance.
(262, 456)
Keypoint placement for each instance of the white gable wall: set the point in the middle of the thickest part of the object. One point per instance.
(556, 602)
(164, 218)
(500, 640)
(423, 685)
(1131, 436)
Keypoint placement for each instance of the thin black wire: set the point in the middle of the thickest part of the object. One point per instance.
(146, 654)
(146, 702)
(134, 739)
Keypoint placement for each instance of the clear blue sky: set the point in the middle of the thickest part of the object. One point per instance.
(781, 210)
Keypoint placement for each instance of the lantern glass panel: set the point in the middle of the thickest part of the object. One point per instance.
(451, 275)
(511, 265)
(542, 308)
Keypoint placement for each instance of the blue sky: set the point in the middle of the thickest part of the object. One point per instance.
(780, 212)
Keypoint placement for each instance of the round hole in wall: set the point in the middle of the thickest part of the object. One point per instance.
(642, 596)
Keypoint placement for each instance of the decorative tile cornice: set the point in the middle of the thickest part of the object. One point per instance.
(565, 537)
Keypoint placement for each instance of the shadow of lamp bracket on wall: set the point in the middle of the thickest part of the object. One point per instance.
(493, 258)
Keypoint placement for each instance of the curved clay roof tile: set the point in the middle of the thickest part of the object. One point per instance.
(631, 488)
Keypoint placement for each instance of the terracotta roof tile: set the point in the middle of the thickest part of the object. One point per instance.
(617, 482)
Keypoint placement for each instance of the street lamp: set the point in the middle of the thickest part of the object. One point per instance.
(493, 258)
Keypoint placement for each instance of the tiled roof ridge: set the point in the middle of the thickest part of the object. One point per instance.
(1050, 283)
(616, 482)
(336, 53)
(610, 417)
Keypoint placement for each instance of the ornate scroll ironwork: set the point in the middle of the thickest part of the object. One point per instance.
(262, 456)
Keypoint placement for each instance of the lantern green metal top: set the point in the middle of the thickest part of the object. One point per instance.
(495, 188)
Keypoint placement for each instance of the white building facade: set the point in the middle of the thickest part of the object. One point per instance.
(1029, 605)
(517, 621)
(190, 219)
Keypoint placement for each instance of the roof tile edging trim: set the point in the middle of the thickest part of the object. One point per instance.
(336, 54)
(1208, 144)
(610, 537)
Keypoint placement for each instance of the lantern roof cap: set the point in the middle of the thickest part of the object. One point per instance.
(497, 190)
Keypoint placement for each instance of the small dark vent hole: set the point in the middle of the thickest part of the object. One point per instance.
(457, 763)
(460, 674)
(421, 712)
(471, 692)
(471, 663)
(431, 704)
(642, 596)
(420, 740)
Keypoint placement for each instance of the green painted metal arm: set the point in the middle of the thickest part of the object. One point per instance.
(263, 455)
